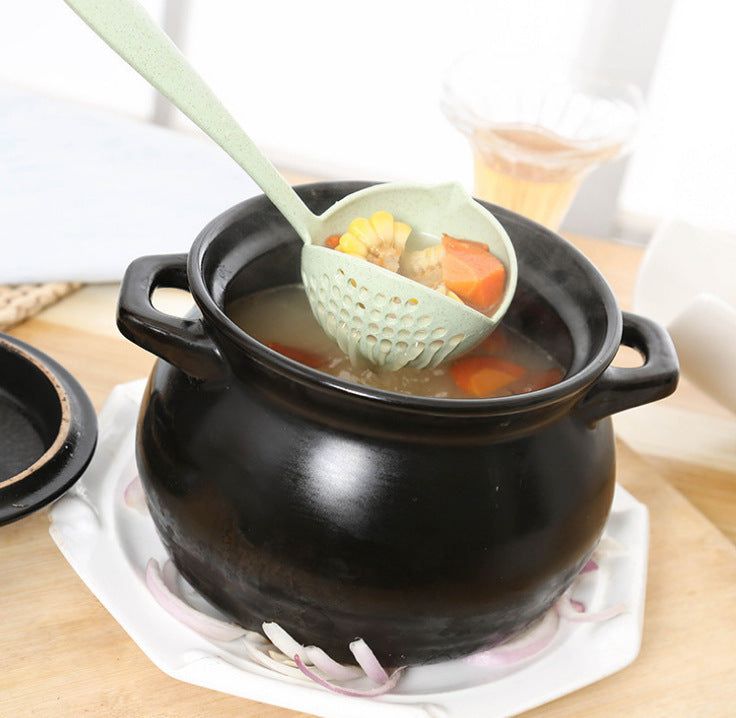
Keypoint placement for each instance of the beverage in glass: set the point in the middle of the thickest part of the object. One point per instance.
(536, 131)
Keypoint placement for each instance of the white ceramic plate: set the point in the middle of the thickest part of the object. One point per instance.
(109, 544)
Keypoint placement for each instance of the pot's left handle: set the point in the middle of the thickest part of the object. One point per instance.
(621, 388)
(180, 341)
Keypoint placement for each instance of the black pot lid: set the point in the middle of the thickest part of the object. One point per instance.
(48, 429)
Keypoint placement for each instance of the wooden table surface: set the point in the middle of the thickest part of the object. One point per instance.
(62, 654)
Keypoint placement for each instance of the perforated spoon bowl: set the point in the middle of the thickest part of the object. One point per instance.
(372, 313)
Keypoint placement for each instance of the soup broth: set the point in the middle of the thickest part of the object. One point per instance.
(505, 364)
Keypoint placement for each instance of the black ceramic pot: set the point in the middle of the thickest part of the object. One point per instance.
(429, 527)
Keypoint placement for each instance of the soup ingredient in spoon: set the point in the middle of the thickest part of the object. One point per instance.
(426, 267)
(380, 240)
(459, 267)
(472, 272)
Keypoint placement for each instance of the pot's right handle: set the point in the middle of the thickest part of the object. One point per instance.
(180, 341)
(621, 388)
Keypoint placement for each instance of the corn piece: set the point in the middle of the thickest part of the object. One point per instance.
(383, 226)
(350, 244)
(449, 293)
(362, 229)
(401, 234)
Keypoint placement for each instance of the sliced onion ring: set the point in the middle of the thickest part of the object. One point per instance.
(134, 496)
(591, 565)
(367, 661)
(330, 667)
(284, 642)
(207, 626)
(170, 575)
(575, 611)
(379, 690)
(260, 657)
(529, 644)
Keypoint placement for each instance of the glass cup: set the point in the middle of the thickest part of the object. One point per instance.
(537, 128)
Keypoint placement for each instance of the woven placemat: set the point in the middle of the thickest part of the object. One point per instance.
(22, 301)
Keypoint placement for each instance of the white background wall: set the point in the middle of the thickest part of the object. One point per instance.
(685, 163)
(350, 89)
(353, 87)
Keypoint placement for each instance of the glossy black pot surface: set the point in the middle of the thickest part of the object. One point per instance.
(429, 527)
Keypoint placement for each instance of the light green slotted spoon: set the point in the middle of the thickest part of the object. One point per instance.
(372, 313)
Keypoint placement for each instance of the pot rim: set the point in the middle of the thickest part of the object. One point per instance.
(570, 386)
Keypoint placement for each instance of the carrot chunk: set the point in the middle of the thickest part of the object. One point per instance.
(472, 272)
(301, 355)
(332, 241)
(483, 376)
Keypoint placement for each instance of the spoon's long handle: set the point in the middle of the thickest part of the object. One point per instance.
(129, 30)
